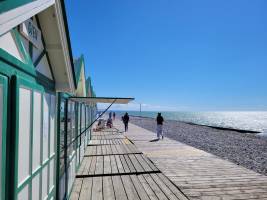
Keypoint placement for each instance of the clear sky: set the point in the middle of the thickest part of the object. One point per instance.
(174, 54)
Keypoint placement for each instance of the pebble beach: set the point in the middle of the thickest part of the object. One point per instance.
(244, 149)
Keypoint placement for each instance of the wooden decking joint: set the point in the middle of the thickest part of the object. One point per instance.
(117, 174)
(113, 154)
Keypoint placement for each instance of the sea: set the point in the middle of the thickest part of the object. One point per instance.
(252, 121)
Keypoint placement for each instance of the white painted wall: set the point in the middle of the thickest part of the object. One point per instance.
(8, 43)
(43, 68)
(37, 131)
(24, 134)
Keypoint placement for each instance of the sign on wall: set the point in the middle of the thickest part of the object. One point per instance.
(32, 33)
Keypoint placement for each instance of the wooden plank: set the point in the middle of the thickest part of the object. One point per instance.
(124, 164)
(119, 164)
(92, 166)
(82, 166)
(104, 150)
(119, 149)
(99, 150)
(139, 188)
(155, 187)
(147, 188)
(88, 164)
(108, 190)
(163, 187)
(129, 188)
(118, 188)
(136, 164)
(86, 191)
(107, 165)
(127, 148)
(75, 194)
(114, 168)
(142, 162)
(93, 150)
(171, 186)
(99, 165)
(129, 163)
(109, 151)
(88, 151)
(114, 150)
(97, 189)
(152, 166)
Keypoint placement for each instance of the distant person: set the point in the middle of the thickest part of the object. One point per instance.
(114, 116)
(109, 123)
(109, 115)
(125, 121)
(160, 121)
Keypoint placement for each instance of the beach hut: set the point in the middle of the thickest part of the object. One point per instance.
(75, 119)
(35, 64)
(47, 105)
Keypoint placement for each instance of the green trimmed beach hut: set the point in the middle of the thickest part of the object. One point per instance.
(43, 132)
(74, 119)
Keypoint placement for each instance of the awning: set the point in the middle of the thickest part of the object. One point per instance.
(113, 100)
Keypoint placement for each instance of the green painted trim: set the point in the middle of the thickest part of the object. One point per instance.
(39, 58)
(4, 82)
(21, 47)
(7, 5)
(30, 49)
(11, 60)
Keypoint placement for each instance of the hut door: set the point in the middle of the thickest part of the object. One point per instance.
(34, 141)
(3, 121)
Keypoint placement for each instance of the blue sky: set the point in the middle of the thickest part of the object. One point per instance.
(174, 54)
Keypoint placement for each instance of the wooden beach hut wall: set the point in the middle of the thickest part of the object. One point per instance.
(36, 70)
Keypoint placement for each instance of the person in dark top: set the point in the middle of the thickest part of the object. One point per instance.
(160, 121)
(125, 121)
(114, 116)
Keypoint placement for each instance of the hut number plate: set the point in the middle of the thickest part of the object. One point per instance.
(32, 33)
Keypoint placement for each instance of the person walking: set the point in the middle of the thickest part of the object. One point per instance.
(160, 121)
(114, 116)
(125, 121)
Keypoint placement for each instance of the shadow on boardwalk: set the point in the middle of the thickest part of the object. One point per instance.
(114, 168)
(198, 174)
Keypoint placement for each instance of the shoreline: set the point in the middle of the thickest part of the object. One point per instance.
(215, 127)
(247, 150)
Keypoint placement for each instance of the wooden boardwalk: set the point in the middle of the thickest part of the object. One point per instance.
(113, 168)
(198, 174)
